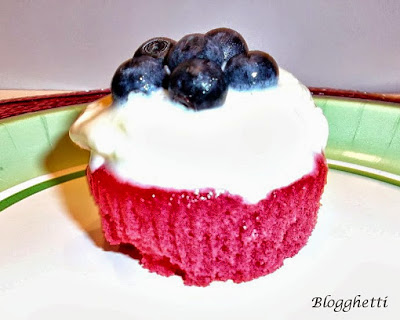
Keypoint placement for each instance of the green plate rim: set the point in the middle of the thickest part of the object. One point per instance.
(364, 139)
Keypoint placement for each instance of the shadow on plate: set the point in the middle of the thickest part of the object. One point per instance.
(65, 154)
(76, 196)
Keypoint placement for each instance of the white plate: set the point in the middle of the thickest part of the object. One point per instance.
(55, 264)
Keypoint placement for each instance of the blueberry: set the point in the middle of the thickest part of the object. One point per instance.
(255, 70)
(198, 84)
(194, 46)
(156, 47)
(139, 74)
(231, 42)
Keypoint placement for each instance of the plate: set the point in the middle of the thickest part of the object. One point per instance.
(54, 261)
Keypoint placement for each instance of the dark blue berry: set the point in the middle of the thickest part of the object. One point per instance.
(231, 42)
(194, 46)
(198, 84)
(255, 70)
(139, 74)
(156, 47)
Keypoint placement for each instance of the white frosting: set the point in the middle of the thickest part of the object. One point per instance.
(256, 142)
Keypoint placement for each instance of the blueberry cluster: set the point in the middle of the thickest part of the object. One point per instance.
(196, 70)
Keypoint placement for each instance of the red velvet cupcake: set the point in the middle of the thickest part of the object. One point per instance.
(218, 177)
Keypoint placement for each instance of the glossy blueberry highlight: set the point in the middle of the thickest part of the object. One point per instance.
(194, 46)
(198, 84)
(255, 70)
(139, 74)
(156, 47)
(231, 42)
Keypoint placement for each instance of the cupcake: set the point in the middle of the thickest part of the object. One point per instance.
(207, 157)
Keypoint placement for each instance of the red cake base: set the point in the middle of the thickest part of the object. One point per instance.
(205, 236)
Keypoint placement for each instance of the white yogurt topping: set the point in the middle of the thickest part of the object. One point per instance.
(256, 142)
